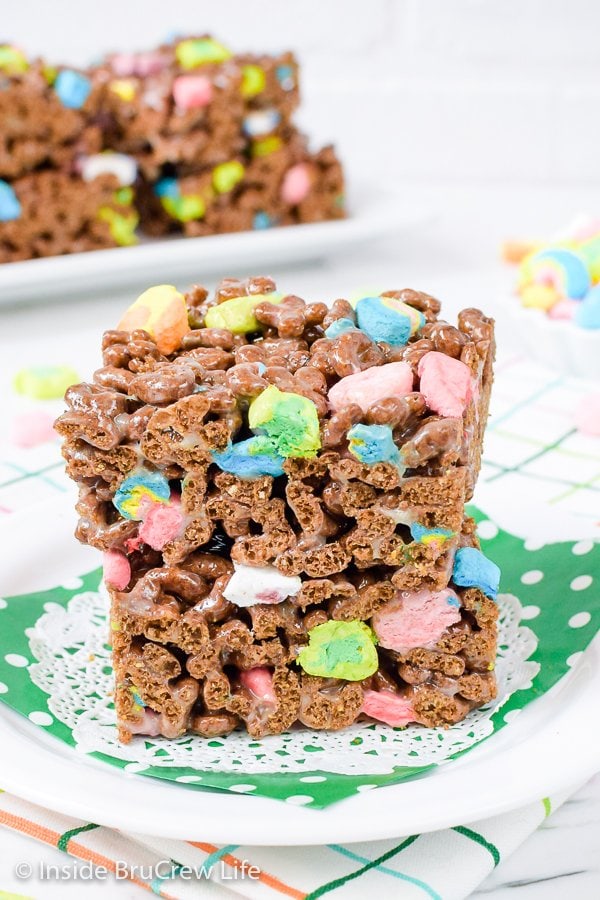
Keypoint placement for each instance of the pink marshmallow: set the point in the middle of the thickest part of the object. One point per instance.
(30, 429)
(296, 184)
(564, 309)
(446, 383)
(259, 681)
(587, 415)
(387, 707)
(126, 64)
(365, 388)
(416, 619)
(192, 91)
(149, 724)
(117, 571)
(133, 544)
(162, 523)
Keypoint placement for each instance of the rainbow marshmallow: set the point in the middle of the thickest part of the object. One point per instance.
(388, 319)
(140, 489)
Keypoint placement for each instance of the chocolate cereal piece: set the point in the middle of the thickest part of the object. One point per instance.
(287, 494)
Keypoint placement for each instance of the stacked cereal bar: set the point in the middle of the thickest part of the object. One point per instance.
(187, 138)
(278, 488)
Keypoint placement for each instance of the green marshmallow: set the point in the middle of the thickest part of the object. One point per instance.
(226, 175)
(45, 382)
(291, 421)
(237, 315)
(184, 209)
(340, 650)
(195, 52)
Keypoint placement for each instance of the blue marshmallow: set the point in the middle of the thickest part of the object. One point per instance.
(340, 326)
(587, 314)
(72, 88)
(473, 569)
(10, 208)
(261, 220)
(429, 535)
(371, 444)
(249, 459)
(388, 319)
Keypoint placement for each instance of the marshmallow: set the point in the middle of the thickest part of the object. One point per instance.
(563, 270)
(259, 681)
(416, 619)
(430, 535)
(45, 382)
(368, 387)
(296, 184)
(446, 383)
(250, 585)
(138, 489)
(290, 421)
(339, 649)
(473, 569)
(72, 88)
(192, 92)
(161, 524)
(388, 319)
(249, 459)
(564, 309)
(30, 429)
(195, 52)
(161, 311)
(226, 175)
(116, 569)
(339, 326)
(237, 314)
(122, 166)
(12, 60)
(385, 706)
(262, 121)
(254, 80)
(372, 444)
(587, 315)
(10, 208)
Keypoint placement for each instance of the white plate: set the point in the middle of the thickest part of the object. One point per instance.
(373, 212)
(550, 745)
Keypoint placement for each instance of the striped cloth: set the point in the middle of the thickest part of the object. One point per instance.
(443, 865)
(532, 451)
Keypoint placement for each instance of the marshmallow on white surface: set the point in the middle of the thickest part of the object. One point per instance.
(250, 585)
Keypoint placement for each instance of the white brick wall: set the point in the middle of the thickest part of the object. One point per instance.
(411, 90)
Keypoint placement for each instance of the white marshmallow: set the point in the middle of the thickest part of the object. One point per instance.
(119, 164)
(263, 121)
(260, 584)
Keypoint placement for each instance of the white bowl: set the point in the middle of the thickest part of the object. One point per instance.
(557, 343)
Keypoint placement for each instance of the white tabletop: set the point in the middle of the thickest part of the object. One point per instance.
(454, 257)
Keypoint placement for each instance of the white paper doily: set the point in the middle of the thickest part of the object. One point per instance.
(74, 668)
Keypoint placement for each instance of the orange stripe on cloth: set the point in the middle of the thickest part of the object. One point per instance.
(48, 836)
(242, 865)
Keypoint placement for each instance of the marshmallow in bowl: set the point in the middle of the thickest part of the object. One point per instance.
(260, 584)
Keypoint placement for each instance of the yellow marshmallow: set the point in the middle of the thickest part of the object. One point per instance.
(161, 311)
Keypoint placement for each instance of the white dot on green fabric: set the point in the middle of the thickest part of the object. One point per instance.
(16, 660)
(313, 779)
(579, 620)
(511, 715)
(582, 547)
(487, 530)
(365, 787)
(71, 584)
(574, 658)
(29, 632)
(40, 718)
(299, 799)
(533, 544)
(188, 779)
(530, 612)
(135, 767)
(3, 603)
(242, 788)
(532, 577)
(3, 688)
(581, 582)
